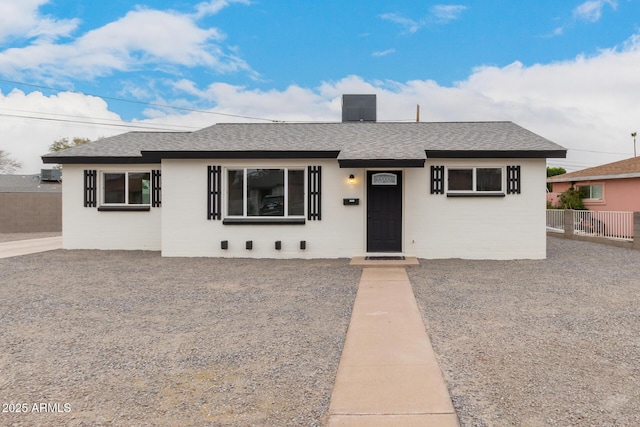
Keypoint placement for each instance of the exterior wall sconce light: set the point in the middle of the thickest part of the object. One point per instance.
(352, 179)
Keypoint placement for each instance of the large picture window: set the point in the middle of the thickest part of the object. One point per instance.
(265, 192)
(126, 188)
(474, 180)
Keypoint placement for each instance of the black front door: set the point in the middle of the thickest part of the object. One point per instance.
(384, 211)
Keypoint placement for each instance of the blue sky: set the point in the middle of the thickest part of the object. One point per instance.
(555, 67)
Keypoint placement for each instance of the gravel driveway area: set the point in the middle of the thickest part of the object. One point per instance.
(553, 342)
(106, 338)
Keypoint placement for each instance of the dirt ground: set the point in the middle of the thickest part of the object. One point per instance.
(553, 342)
(131, 338)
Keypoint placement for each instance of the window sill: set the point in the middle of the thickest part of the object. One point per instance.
(263, 221)
(124, 208)
(475, 194)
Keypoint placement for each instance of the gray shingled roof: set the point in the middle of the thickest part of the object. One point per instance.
(129, 144)
(27, 184)
(353, 141)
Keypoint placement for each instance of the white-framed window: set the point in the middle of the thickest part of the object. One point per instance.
(475, 180)
(265, 192)
(592, 191)
(126, 188)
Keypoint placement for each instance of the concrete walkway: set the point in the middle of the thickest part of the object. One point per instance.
(388, 374)
(31, 246)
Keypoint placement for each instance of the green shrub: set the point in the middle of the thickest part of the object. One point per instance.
(572, 199)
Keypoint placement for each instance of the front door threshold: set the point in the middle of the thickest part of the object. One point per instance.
(362, 261)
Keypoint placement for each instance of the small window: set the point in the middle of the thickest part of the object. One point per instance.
(127, 188)
(474, 180)
(592, 192)
(460, 180)
(489, 179)
(265, 192)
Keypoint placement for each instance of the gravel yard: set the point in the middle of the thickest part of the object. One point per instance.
(537, 343)
(130, 338)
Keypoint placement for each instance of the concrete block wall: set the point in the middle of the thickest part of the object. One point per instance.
(30, 212)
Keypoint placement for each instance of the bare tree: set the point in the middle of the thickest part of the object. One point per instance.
(7, 163)
(64, 143)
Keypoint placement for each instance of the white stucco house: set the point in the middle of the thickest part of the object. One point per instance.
(472, 190)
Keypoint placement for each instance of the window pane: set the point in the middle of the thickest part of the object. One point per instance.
(489, 179)
(460, 179)
(596, 192)
(235, 185)
(139, 188)
(296, 192)
(114, 188)
(265, 192)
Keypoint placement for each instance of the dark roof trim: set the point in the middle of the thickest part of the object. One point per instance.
(157, 156)
(382, 163)
(252, 154)
(496, 154)
(71, 160)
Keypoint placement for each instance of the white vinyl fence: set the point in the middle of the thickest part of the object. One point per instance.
(612, 225)
(555, 220)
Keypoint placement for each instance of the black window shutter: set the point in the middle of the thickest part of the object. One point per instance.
(90, 188)
(513, 179)
(156, 188)
(437, 179)
(214, 193)
(314, 193)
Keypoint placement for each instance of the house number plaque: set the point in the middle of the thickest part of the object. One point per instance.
(384, 179)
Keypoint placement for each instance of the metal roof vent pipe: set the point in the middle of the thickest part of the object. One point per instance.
(358, 108)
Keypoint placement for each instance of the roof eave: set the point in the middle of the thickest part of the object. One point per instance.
(500, 154)
(594, 177)
(247, 154)
(381, 163)
(75, 160)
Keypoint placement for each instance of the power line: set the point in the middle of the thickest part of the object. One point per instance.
(130, 126)
(116, 121)
(193, 110)
(598, 152)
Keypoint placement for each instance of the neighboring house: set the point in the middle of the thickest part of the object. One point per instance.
(313, 190)
(31, 203)
(610, 187)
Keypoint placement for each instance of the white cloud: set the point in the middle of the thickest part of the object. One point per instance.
(439, 14)
(409, 25)
(142, 37)
(447, 13)
(20, 19)
(212, 7)
(381, 53)
(591, 10)
(27, 139)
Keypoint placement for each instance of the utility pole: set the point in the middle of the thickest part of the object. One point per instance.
(634, 143)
